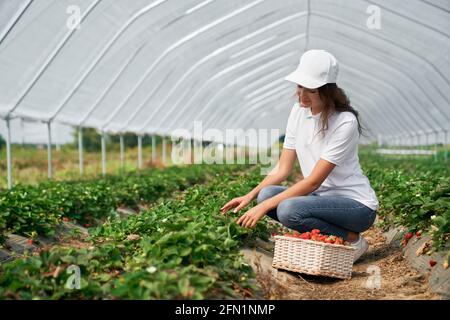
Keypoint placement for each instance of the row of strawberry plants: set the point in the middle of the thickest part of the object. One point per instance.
(180, 248)
(414, 194)
(37, 210)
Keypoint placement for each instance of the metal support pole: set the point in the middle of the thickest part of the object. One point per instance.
(198, 151)
(80, 150)
(445, 146)
(122, 152)
(49, 150)
(417, 147)
(103, 153)
(435, 146)
(139, 152)
(8, 153)
(153, 148)
(164, 150)
(423, 142)
(411, 143)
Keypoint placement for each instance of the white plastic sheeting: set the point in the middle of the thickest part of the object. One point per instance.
(157, 66)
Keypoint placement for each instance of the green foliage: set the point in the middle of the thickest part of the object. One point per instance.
(37, 210)
(185, 249)
(182, 247)
(412, 193)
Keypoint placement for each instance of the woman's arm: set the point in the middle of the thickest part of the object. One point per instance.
(305, 186)
(320, 172)
(276, 176)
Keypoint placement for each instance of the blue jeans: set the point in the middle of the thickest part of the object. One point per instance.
(331, 215)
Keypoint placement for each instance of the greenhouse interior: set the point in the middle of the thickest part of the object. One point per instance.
(224, 150)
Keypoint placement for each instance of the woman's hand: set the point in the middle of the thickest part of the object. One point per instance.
(252, 216)
(239, 203)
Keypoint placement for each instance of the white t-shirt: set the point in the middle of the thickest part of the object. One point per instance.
(338, 146)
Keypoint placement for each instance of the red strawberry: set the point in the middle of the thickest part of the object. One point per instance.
(30, 241)
(315, 231)
(330, 239)
(432, 263)
(418, 234)
(65, 219)
(305, 235)
(87, 225)
(408, 236)
(339, 241)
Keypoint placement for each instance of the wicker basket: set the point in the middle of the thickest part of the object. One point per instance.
(313, 257)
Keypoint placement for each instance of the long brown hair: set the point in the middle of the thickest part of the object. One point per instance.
(335, 99)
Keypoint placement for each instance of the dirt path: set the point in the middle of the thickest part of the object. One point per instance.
(397, 279)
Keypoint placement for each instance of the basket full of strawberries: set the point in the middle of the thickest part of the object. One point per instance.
(313, 253)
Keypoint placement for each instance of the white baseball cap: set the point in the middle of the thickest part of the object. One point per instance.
(316, 68)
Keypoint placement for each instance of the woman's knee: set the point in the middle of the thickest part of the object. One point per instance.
(370, 221)
(288, 212)
(267, 192)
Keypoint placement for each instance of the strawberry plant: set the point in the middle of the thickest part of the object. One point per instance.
(412, 193)
(180, 248)
(39, 209)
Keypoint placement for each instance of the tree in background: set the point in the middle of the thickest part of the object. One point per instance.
(92, 140)
(129, 140)
(2, 142)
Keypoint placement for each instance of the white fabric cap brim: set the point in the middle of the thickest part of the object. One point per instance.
(304, 81)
